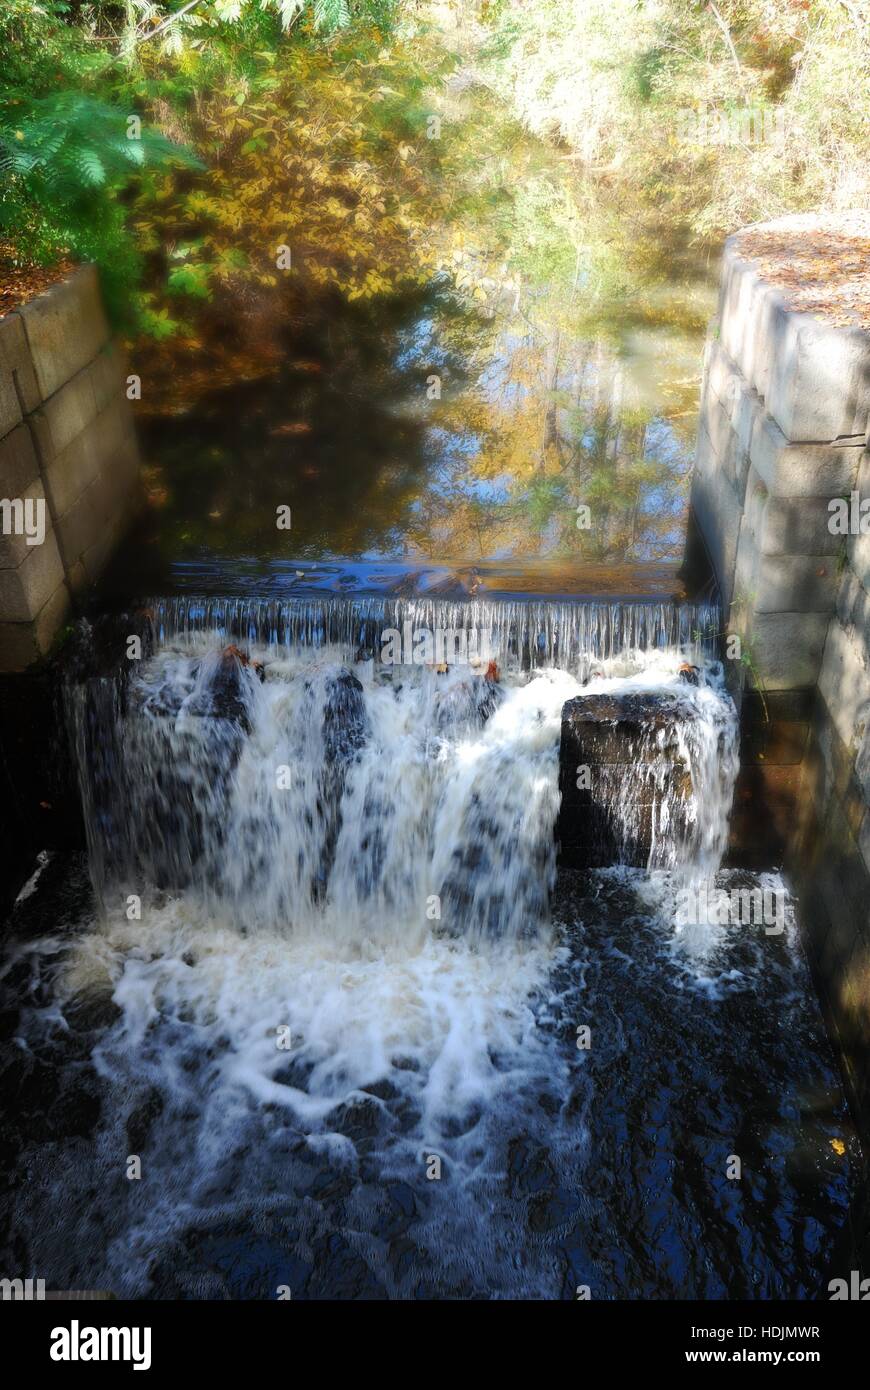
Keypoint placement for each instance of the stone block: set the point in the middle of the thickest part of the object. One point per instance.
(747, 413)
(72, 472)
(789, 525)
(747, 569)
(864, 840)
(853, 603)
(753, 317)
(66, 327)
(814, 377)
(740, 289)
(120, 485)
(19, 467)
(82, 525)
(77, 580)
(786, 649)
(23, 643)
(63, 418)
(108, 377)
(819, 388)
(796, 583)
(858, 547)
(862, 763)
(728, 411)
(89, 455)
(844, 682)
(801, 470)
(18, 646)
(718, 511)
(836, 757)
(854, 805)
(25, 590)
(10, 409)
(629, 745)
(18, 388)
(717, 420)
(720, 373)
(51, 618)
(840, 873)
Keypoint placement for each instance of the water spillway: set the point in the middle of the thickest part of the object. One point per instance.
(313, 774)
(569, 634)
(332, 984)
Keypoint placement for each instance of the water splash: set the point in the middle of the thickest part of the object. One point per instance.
(337, 795)
(343, 968)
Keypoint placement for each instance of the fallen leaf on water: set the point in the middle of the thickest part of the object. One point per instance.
(838, 1146)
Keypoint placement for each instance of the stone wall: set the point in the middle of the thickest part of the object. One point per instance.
(67, 444)
(785, 428)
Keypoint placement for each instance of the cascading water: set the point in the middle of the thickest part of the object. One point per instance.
(570, 635)
(341, 794)
(326, 1000)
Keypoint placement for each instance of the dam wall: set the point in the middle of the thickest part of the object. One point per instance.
(781, 497)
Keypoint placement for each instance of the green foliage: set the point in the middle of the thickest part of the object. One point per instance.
(72, 78)
(67, 159)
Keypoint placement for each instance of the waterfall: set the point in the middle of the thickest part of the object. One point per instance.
(334, 952)
(306, 784)
(572, 635)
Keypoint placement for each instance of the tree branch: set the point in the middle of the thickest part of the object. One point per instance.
(170, 19)
(726, 34)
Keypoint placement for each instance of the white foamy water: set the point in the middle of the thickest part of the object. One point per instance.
(344, 954)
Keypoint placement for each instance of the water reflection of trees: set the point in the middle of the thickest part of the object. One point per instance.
(533, 420)
(566, 345)
(544, 421)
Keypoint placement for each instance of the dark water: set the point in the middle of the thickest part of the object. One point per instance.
(604, 1168)
(266, 912)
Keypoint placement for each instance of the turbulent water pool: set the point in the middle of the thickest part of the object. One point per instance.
(322, 1017)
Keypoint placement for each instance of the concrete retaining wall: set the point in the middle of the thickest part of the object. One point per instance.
(785, 428)
(68, 449)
